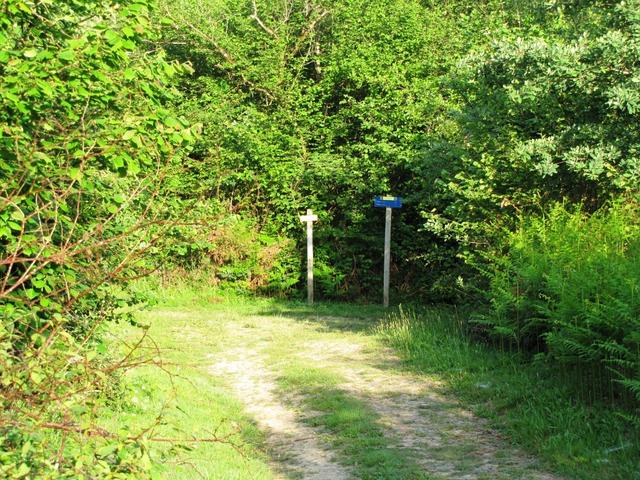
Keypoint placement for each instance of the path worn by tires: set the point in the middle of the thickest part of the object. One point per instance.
(440, 436)
(447, 440)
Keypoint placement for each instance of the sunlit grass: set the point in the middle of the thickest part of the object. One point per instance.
(183, 401)
(527, 401)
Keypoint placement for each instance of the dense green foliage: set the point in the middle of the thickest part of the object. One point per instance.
(323, 106)
(226, 250)
(326, 104)
(547, 115)
(569, 286)
(84, 139)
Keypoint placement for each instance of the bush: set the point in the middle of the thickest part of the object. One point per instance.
(546, 116)
(569, 289)
(84, 141)
(228, 250)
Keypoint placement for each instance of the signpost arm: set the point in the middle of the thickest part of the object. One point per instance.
(387, 256)
(309, 259)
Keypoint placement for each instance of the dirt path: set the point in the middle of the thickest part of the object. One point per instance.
(445, 439)
(436, 433)
(294, 446)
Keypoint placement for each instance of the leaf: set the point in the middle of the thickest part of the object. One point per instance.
(23, 470)
(67, 55)
(15, 226)
(117, 162)
(106, 450)
(133, 166)
(101, 76)
(26, 447)
(31, 293)
(46, 88)
(128, 135)
(111, 208)
(111, 36)
(76, 43)
(30, 53)
(172, 122)
(75, 174)
(36, 377)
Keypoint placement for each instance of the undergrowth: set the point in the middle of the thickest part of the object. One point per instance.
(567, 289)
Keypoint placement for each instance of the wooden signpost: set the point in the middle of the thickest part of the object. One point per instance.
(388, 203)
(309, 218)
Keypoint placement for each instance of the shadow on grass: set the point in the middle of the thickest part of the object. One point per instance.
(329, 316)
(536, 405)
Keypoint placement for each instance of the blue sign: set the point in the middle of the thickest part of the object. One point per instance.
(387, 202)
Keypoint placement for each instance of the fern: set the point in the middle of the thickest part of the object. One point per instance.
(570, 285)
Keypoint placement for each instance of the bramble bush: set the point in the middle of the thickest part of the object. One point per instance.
(85, 140)
(224, 249)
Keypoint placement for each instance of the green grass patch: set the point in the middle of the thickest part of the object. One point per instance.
(351, 426)
(183, 401)
(341, 316)
(535, 405)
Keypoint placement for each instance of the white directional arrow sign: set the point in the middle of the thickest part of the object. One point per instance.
(309, 218)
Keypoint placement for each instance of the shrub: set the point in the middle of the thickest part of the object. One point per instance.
(230, 251)
(84, 139)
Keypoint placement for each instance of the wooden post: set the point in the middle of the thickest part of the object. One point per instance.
(388, 203)
(309, 218)
(309, 260)
(387, 257)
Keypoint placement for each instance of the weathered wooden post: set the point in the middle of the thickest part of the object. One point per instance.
(388, 203)
(309, 218)
(387, 257)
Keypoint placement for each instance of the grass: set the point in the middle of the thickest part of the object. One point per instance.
(193, 404)
(350, 316)
(532, 404)
(352, 426)
(187, 325)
